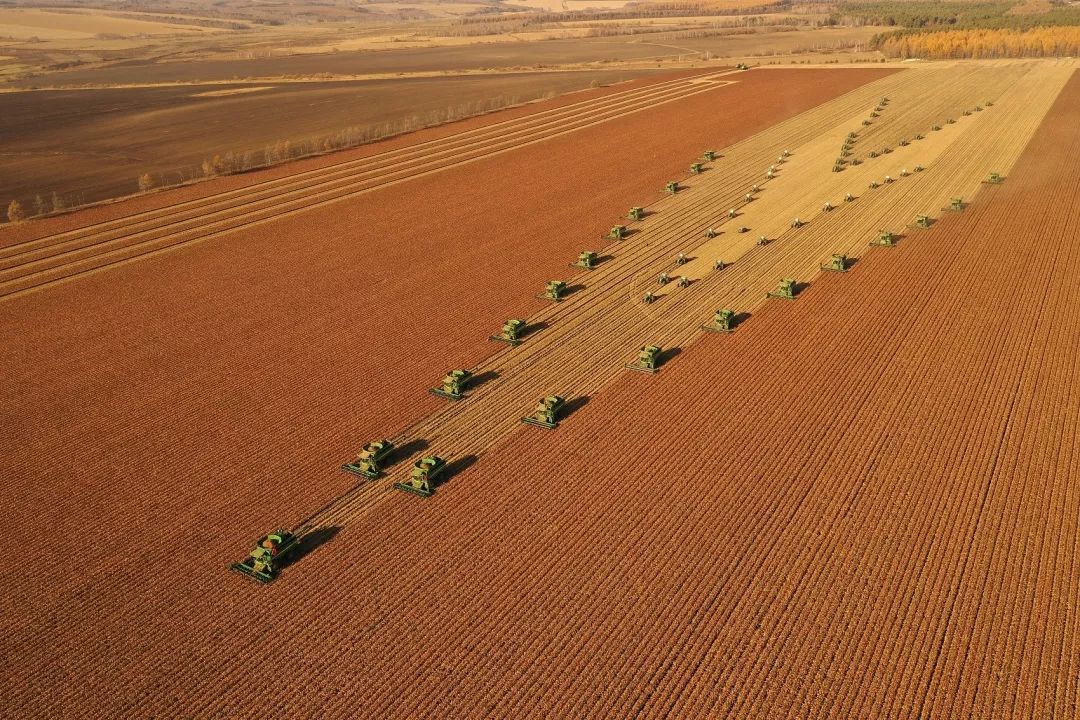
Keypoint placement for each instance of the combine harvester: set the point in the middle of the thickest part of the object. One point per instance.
(785, 291)
(422, 476)
(837, 263)
(261, 564)
(546, 414)
(511, 332)
(554, 291)
(648, 360)
(586, 260)
(368, 462)
(453, 385)
(723, 322)
(884, 239)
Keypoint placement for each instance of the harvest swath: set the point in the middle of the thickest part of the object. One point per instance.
(856, 505)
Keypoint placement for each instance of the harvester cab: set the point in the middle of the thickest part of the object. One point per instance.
(262, 563)
(617, 232)
(696, 168)
(922, 221)
(554, 291)
(956, 204)
(368, 462)
(785, 291)
(709, 155)
(546, 414)
(422, 476)
(995, 178)
(453, 385)
(723, 321)
(837, 263)
(672, 187)
(635, 213)
(511, 332)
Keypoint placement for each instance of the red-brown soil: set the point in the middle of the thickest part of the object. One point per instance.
(159, 414)
(10, 234)
(862, 504)
(97, 143)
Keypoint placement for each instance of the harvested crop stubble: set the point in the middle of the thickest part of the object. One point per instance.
(207, 394)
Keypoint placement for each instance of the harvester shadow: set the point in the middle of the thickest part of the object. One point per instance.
(668, 355)
(687, 258)
(630, 232)
(604, 258)
(308, 543)
(574, 404)
(454, 467)
(532, 328)
(739, 319)
(484, 377)
(572, 289)
(800, 288)
(406, 451)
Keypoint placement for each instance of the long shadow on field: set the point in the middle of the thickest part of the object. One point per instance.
(483, 378)
(406, 451)
(739, 319)
(533, 328)
(667, 356)
(454, 467)
(574, 404)
(573, 290)
(308, 543)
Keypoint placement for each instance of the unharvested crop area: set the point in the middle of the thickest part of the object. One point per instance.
(852, 507)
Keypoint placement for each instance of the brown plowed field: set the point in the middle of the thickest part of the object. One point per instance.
(156, 412)
(862, 504)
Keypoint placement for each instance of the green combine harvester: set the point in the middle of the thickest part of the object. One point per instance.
(648, 360)
(262, 564)
(635, 213)
(696, 168)
(723, 322)
(368, 462)
(672, 187)
(922, 222)
(453, 385)
(546, 414)
(617, 232)
(837, 263)
(955, 205)
(511, 332)
(554, 291)
(422, 476)
(586, 260)
(994, 179)
(884, 239)
(784, 291)
(709, 155)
